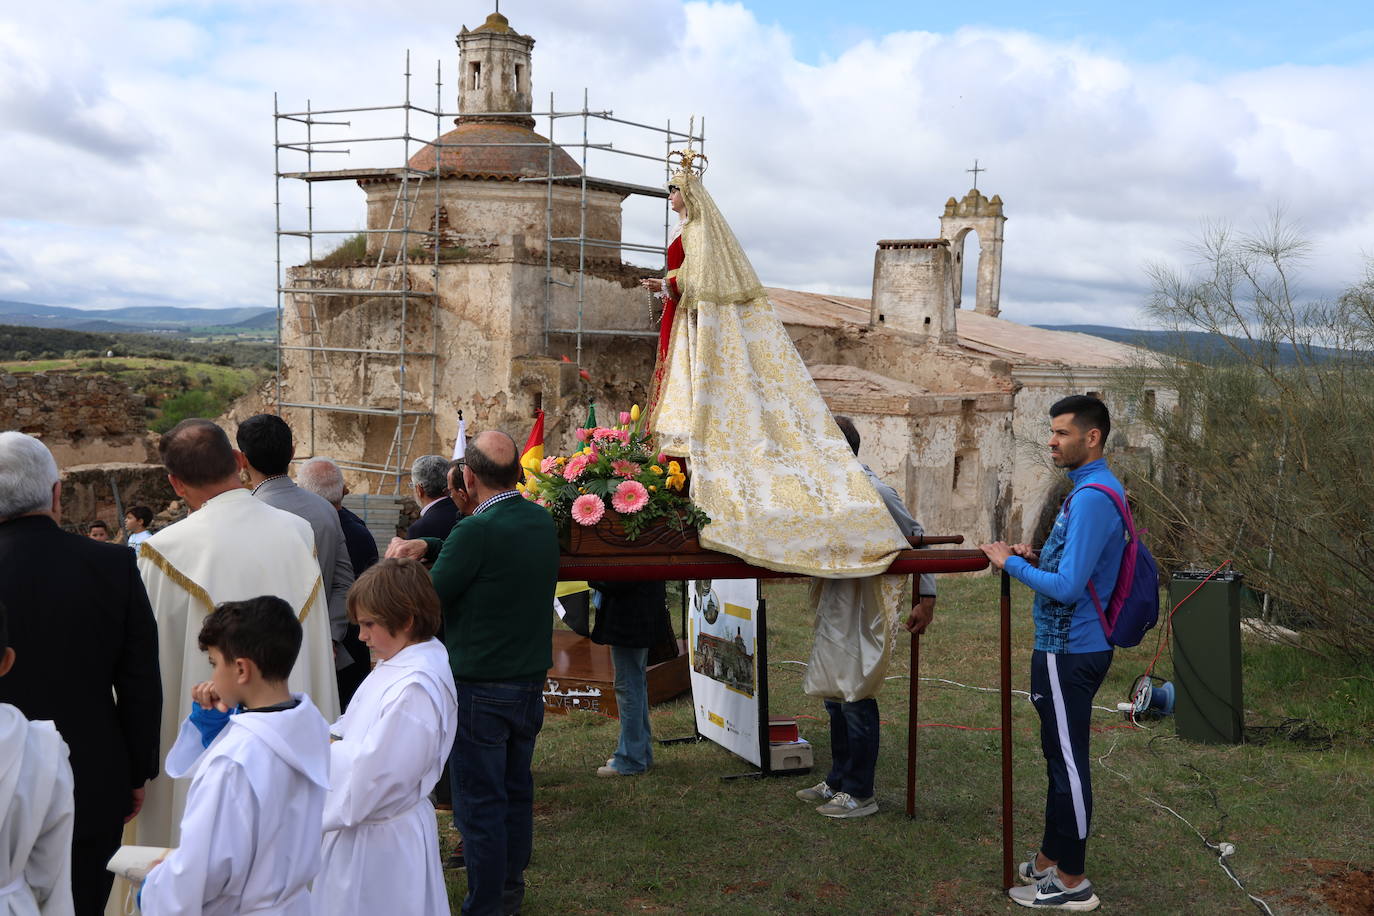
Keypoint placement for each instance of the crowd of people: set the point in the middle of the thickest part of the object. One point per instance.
(295, 777)
(342, 686)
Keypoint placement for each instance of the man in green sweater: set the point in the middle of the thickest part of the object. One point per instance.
(495, 575)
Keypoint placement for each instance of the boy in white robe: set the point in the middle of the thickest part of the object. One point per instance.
(387, 754)
(36, 810)
(258, 758)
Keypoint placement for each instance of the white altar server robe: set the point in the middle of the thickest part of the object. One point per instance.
(380, 830)
(232, 548)
(35, 818)
(250, 837)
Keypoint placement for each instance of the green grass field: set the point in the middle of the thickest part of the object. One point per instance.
(682, 840)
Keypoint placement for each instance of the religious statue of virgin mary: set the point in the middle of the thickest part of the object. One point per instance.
(732, 395)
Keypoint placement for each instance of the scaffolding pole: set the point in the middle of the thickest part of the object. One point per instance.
(392, 275)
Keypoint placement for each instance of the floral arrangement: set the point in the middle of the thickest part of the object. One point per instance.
(616, 471)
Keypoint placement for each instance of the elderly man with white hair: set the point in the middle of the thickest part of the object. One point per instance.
(86, 656)
(323, 478)
(438, 512)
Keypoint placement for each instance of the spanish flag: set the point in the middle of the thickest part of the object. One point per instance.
(534, 446)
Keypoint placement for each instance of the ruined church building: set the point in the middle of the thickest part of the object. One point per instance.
(378, 357)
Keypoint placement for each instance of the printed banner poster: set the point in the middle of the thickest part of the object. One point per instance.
(720, 630)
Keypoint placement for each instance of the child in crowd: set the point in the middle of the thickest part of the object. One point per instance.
(139, 521)
(388, 751)
(36, 808)
(250, 837)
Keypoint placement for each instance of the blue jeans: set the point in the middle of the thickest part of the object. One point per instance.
(493, 789)
(853, 746)
(635, 752)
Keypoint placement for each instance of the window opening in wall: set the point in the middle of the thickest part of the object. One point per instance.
(519, 71)
(968, 269)
(1148, 403)
(538, 401)
(475, 68)
(958, 467)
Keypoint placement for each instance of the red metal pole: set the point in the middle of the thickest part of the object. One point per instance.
(912, 688)
(1007, 879)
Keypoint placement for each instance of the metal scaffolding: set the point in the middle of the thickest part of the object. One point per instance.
(392, 277)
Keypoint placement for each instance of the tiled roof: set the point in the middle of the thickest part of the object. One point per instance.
(1017, 343)
(497, 150)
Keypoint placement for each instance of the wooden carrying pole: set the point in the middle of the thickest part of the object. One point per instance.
(1007, 879)
(913, 686)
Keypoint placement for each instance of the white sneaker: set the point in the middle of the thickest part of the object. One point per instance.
(846, 805)
(820, 792)
(1050, 893)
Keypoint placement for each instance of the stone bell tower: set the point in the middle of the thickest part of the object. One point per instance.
(494, 61)
(975, 213)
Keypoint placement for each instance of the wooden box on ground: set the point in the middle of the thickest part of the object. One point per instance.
(582, 676)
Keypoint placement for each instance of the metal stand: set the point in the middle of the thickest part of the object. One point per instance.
(1007, 873)
(913, 689)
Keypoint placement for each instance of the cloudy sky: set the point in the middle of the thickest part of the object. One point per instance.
(138, 153)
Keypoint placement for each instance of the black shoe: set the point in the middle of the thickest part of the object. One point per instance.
(455, 860)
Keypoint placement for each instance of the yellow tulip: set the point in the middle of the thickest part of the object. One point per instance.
(656, 469)
(634, 413)
(674, 468)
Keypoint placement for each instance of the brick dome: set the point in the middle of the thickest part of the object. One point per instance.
(498, 162)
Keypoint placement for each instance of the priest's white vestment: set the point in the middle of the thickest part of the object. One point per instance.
(379, 824)
(250, 841)
(232, 548)
(36, 814)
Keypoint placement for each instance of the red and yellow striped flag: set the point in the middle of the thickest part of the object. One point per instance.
(533, 454)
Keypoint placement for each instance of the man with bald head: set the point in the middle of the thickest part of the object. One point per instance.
(495, 573)
(230, 548)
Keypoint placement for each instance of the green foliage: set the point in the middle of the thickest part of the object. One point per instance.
(20, 343)
(348, 252)
(1265, 463)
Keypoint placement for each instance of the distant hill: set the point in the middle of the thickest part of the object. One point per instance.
(26, 342)
(1196, 345)
(131, 318)
(267, 321)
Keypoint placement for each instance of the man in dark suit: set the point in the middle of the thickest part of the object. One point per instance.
(495, 575)
(81, 625)
(429, 477)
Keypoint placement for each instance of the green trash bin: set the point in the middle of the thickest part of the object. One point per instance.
(1207, 657)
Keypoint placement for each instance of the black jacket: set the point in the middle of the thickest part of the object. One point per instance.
(435, 523)
(633, 615)
(80, 624)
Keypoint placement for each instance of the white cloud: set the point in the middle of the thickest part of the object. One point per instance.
(140, 150)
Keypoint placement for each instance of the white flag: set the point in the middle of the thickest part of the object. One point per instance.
(460, 447)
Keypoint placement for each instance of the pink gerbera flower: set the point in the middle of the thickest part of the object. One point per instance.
(626, 469)
(606, 434)
(587, 509)
(548, 464)
(575, 466)
(629, 497)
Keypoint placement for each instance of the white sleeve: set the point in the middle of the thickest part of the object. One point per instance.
(217, 833)
(377, 772)
(49, 869)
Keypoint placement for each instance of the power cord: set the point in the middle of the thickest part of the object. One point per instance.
(1224, 851)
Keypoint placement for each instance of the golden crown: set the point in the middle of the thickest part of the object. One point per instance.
(688, 160)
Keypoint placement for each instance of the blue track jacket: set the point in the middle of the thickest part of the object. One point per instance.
(1088, 542)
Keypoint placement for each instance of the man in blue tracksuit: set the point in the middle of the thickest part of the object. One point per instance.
(1072, 654)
